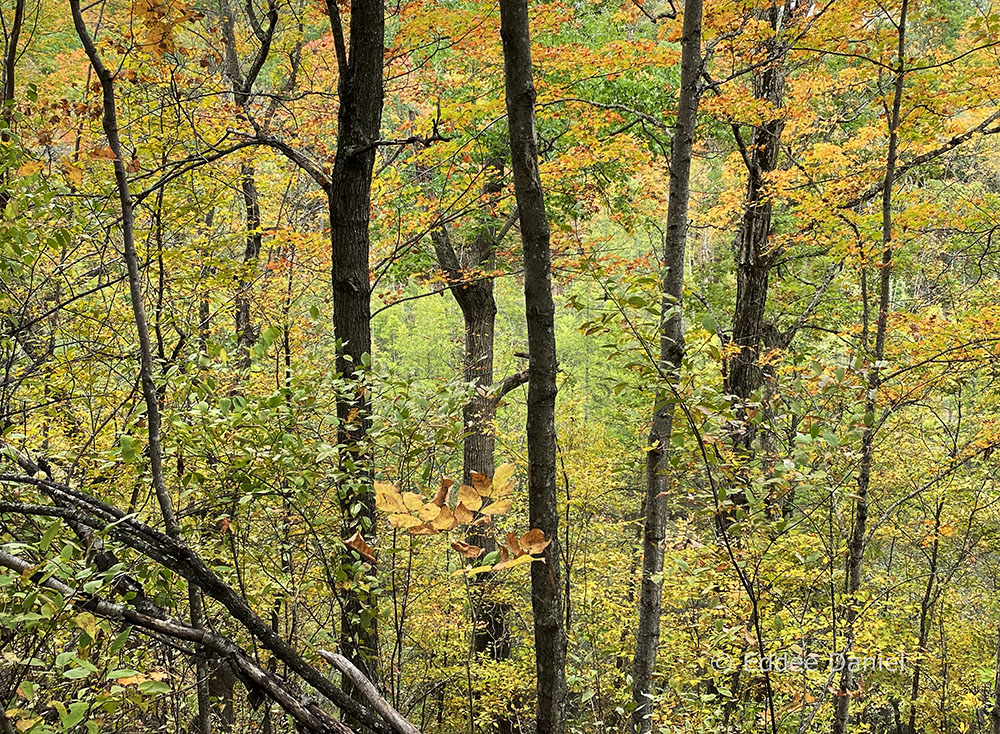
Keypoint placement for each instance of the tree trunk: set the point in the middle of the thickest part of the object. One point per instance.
(543, 511)
(925, 607)
(671, 354)
(753, 256)
(359, 119)
(246, 334)
(856, 547)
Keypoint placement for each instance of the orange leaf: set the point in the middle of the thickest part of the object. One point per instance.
(534, 541)
(358, 543)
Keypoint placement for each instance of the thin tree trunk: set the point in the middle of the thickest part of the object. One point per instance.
(995, 711)
(146, 364)
(543, 511)
(925, 607)
(856, 547)
(670, 357)
(359, 119)
(246, 333)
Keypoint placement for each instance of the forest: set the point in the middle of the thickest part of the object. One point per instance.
(495, 367)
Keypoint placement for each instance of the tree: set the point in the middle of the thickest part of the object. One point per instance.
(543, 511)
(671, 356)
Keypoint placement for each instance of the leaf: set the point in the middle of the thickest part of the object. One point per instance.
(429, 511)
(422, 529)
(481, 482)
(30, 168)
(534, 541)
(515, 562)
(462, 514)
(441, 496)
(73, 173)
(468, 551)
(387, 498)
(503, 474)
(469, 497)
(403, 521)
(104, 153)
(152, 687)
(445, 520)
(497, 508)
(358, 543)
(412, 501)
(48, 536)
(127, 444)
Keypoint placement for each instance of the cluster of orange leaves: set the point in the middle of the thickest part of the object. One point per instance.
(472, 506)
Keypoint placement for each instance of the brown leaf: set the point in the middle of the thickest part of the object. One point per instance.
(512, 543)
(481, 482)
(358, 543)
(469, 551)
(422, 529)
(534, 541)
(104, 153)
(441, 496)
(445, 520)
(462, 513)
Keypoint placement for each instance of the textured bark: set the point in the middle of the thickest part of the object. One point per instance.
(754, 257)
(856, 546)
(543, 511)
(359, 118)
(671, 354)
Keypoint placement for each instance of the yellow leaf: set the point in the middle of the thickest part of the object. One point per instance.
(514, 562)
(387, 498)
(413, 501)
(403, 521)
(503, 474)
(428, 512)
(469, 497)
(497, 508)
(73, 173)
(30, 168)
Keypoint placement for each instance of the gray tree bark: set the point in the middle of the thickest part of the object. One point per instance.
(670, 357)
(543, 511)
